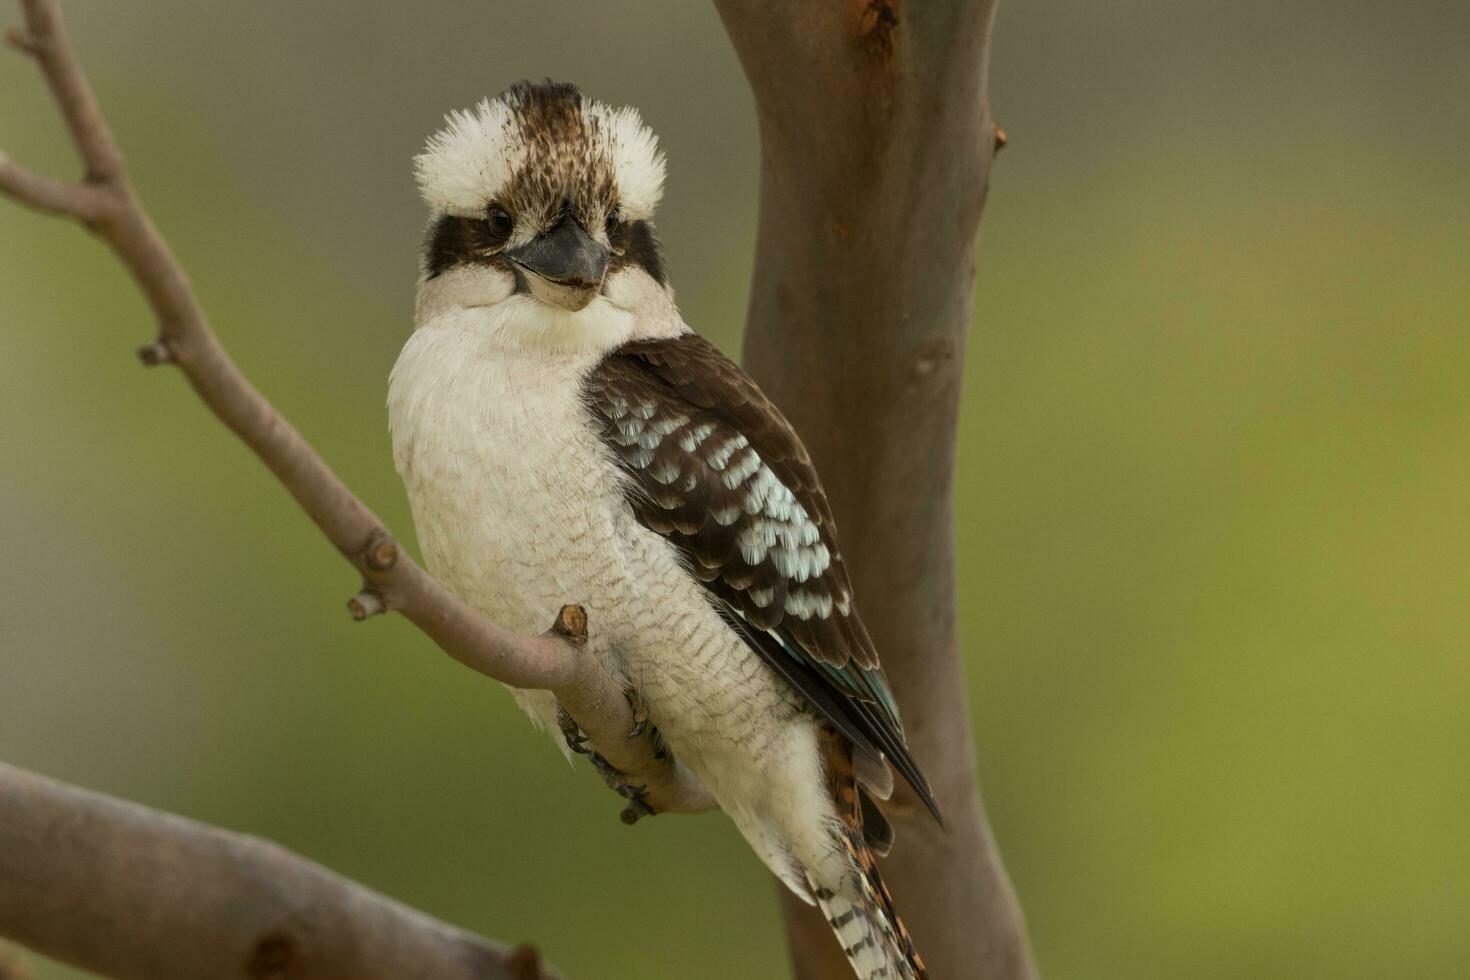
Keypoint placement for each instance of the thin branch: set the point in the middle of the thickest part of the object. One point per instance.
(56, 197)
(554, 661)
(46, 40)
(130, 892)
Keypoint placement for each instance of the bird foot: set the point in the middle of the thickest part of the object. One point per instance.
(570, 731)
(614, 777)
(640, 713)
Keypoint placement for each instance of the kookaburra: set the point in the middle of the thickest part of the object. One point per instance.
(565, 437)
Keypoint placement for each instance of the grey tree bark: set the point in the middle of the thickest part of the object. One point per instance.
(876, 145)
(132, 893)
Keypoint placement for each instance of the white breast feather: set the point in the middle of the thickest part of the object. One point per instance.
(519, 509)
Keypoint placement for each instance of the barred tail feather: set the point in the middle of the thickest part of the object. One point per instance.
(851, 892)
(861, 914)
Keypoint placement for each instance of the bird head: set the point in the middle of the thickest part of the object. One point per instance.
(543, 192)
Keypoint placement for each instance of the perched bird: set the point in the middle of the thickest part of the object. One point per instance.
(565, 437)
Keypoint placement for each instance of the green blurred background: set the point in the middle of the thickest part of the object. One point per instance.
(1214, 470)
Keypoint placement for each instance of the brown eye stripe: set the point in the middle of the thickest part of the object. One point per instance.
(454, 240)
(638, 246)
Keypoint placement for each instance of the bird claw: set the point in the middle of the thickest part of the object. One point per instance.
(570, 731)
(614, 777)
(640, 713)
(610, 773)
(617, 781)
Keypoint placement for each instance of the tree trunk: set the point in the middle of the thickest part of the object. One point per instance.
(876, 142)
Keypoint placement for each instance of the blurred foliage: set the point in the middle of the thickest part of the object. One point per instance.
(1214, 464)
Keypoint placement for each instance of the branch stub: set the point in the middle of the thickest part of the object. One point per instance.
(382, 552)
(571, 624)
(156, 353)
(366, 603)
(25, 42)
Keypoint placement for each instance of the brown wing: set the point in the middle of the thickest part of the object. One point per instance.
(718, 471)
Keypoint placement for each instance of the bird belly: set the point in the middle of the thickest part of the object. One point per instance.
(519, 511)
(513, 499)
(725, 714)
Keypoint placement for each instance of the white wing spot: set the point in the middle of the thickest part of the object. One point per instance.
(759, 491)
(786, 561)
(628, 431)
(756, 540)
(666, 425)
(692, 439)
(804, 606)
(737, 474)
(762, 597)
(719, 457)
(665, 472)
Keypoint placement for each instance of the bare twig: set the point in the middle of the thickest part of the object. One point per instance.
(876, 145)
(105, 202)
(130, 892)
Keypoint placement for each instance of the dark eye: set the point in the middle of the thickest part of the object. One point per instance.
(615, 228)
(499, 221)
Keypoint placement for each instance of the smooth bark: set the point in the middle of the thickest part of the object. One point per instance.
(876, 144)
(129, 892)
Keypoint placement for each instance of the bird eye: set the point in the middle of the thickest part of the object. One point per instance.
(616, 229)
(499, 221)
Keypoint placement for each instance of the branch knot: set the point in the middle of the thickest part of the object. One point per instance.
(368, 602)
(381, 553)
(571, 625)
(156, 353)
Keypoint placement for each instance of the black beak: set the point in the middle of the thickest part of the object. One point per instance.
(566, 265)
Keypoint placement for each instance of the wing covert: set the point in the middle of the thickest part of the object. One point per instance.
(718, 471)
